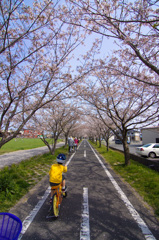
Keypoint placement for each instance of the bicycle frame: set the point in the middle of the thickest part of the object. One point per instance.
(56, 201)
(58, 191)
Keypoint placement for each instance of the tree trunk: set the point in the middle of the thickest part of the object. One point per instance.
(126, 152)
(46, 143)
(66, 140)
(54, 146)
(107, 145)
(100, 142)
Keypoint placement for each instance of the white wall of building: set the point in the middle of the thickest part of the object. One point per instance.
(149, 135)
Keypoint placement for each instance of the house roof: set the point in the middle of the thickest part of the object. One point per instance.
(147, 128)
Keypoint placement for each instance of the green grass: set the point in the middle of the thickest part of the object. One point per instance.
(15, 181)
(22, 144)
(144, 180)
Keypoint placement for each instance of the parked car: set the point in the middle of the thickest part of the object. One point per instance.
(118, 141)
(149, 150)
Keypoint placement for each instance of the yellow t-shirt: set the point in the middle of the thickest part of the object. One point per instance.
(56, 171)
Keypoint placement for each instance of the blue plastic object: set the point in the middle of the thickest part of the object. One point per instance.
(10, 226)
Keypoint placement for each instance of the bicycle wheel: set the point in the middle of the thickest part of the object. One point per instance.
(55, 205)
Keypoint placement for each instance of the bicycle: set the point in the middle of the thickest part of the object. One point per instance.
(71, 149)
(57, 198)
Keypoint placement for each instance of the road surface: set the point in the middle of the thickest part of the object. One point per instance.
(99, 206)
(132, 146)
(8, 159)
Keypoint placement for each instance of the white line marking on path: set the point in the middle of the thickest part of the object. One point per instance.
(84, 153)
(85, 230)
(144, 228)
(68, 162)
(28, 220)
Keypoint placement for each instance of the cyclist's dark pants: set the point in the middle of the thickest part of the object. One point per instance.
(56, 184)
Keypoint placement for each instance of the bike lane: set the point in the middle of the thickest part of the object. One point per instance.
(94, 208)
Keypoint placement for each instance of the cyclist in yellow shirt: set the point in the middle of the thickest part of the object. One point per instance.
(55, 173)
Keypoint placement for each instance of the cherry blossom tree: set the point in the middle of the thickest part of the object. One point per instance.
(127, 104)
(96, 128)
(127, 88)
(72, 120)
(35, 49)
(55, 120)
(97, 124)
(134, 26)
(107, 132)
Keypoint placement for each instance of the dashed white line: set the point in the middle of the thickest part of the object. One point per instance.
(70, 159)
(85, 229)
(84, 153)
(144, 228)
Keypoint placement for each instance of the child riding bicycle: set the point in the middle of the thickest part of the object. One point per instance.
(55, 173)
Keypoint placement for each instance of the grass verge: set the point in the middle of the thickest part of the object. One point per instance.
(144, 180)
(18, 179)
(22, 144)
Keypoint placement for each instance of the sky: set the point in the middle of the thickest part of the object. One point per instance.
(107, 47)
(107, 44)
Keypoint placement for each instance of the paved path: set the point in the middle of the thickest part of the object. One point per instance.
(8, 159)
(99, 205)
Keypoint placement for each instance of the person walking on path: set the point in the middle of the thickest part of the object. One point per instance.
(70, 144)
(75, 143)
